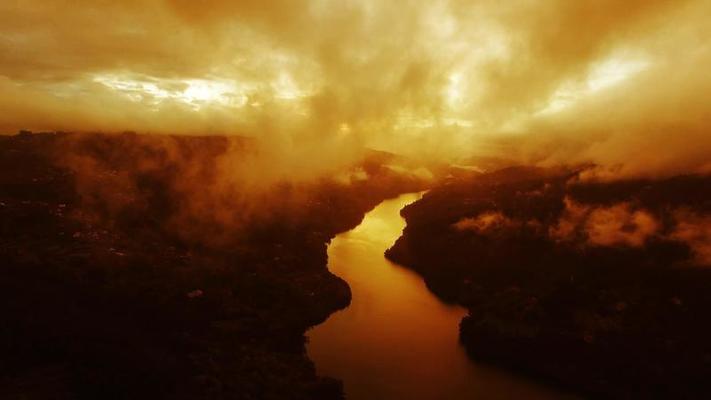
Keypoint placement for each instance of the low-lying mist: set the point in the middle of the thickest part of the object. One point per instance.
(214, 190)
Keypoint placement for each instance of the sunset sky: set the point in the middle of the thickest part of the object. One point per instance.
(622, 83)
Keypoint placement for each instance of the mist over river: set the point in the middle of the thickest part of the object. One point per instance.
(397, 340)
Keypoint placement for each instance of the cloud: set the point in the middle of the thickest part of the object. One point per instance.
(616, 225)
(618, 84)
(574, 216)
(486, 223)
(199, 189)
(694, 230)
(620, 225)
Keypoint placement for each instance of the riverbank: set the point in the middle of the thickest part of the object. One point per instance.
(406, 338)
(110, 289)
(596, 286)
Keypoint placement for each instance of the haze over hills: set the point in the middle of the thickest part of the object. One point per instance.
(115, 284)
(166, 235)
(619, 85)
(600, 286)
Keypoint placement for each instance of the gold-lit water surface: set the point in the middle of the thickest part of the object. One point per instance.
(396, 340)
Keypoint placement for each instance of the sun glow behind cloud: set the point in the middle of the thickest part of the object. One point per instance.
(603, 75)
(445, 78)
(196, 93)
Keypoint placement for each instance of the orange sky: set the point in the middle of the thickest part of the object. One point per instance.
(621, 83)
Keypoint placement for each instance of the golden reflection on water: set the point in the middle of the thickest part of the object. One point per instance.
(397, 340)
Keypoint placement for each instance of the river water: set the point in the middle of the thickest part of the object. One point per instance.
(396, 340)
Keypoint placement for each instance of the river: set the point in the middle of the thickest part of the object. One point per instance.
(396, 340)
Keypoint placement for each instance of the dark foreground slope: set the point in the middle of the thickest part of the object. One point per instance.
(603, 287)
(114, 284)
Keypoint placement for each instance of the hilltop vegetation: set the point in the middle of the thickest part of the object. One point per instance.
(120, 280)
(600, 286)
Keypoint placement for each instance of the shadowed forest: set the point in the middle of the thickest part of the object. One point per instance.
(451, 198)
(103, 297)
(598, 286)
